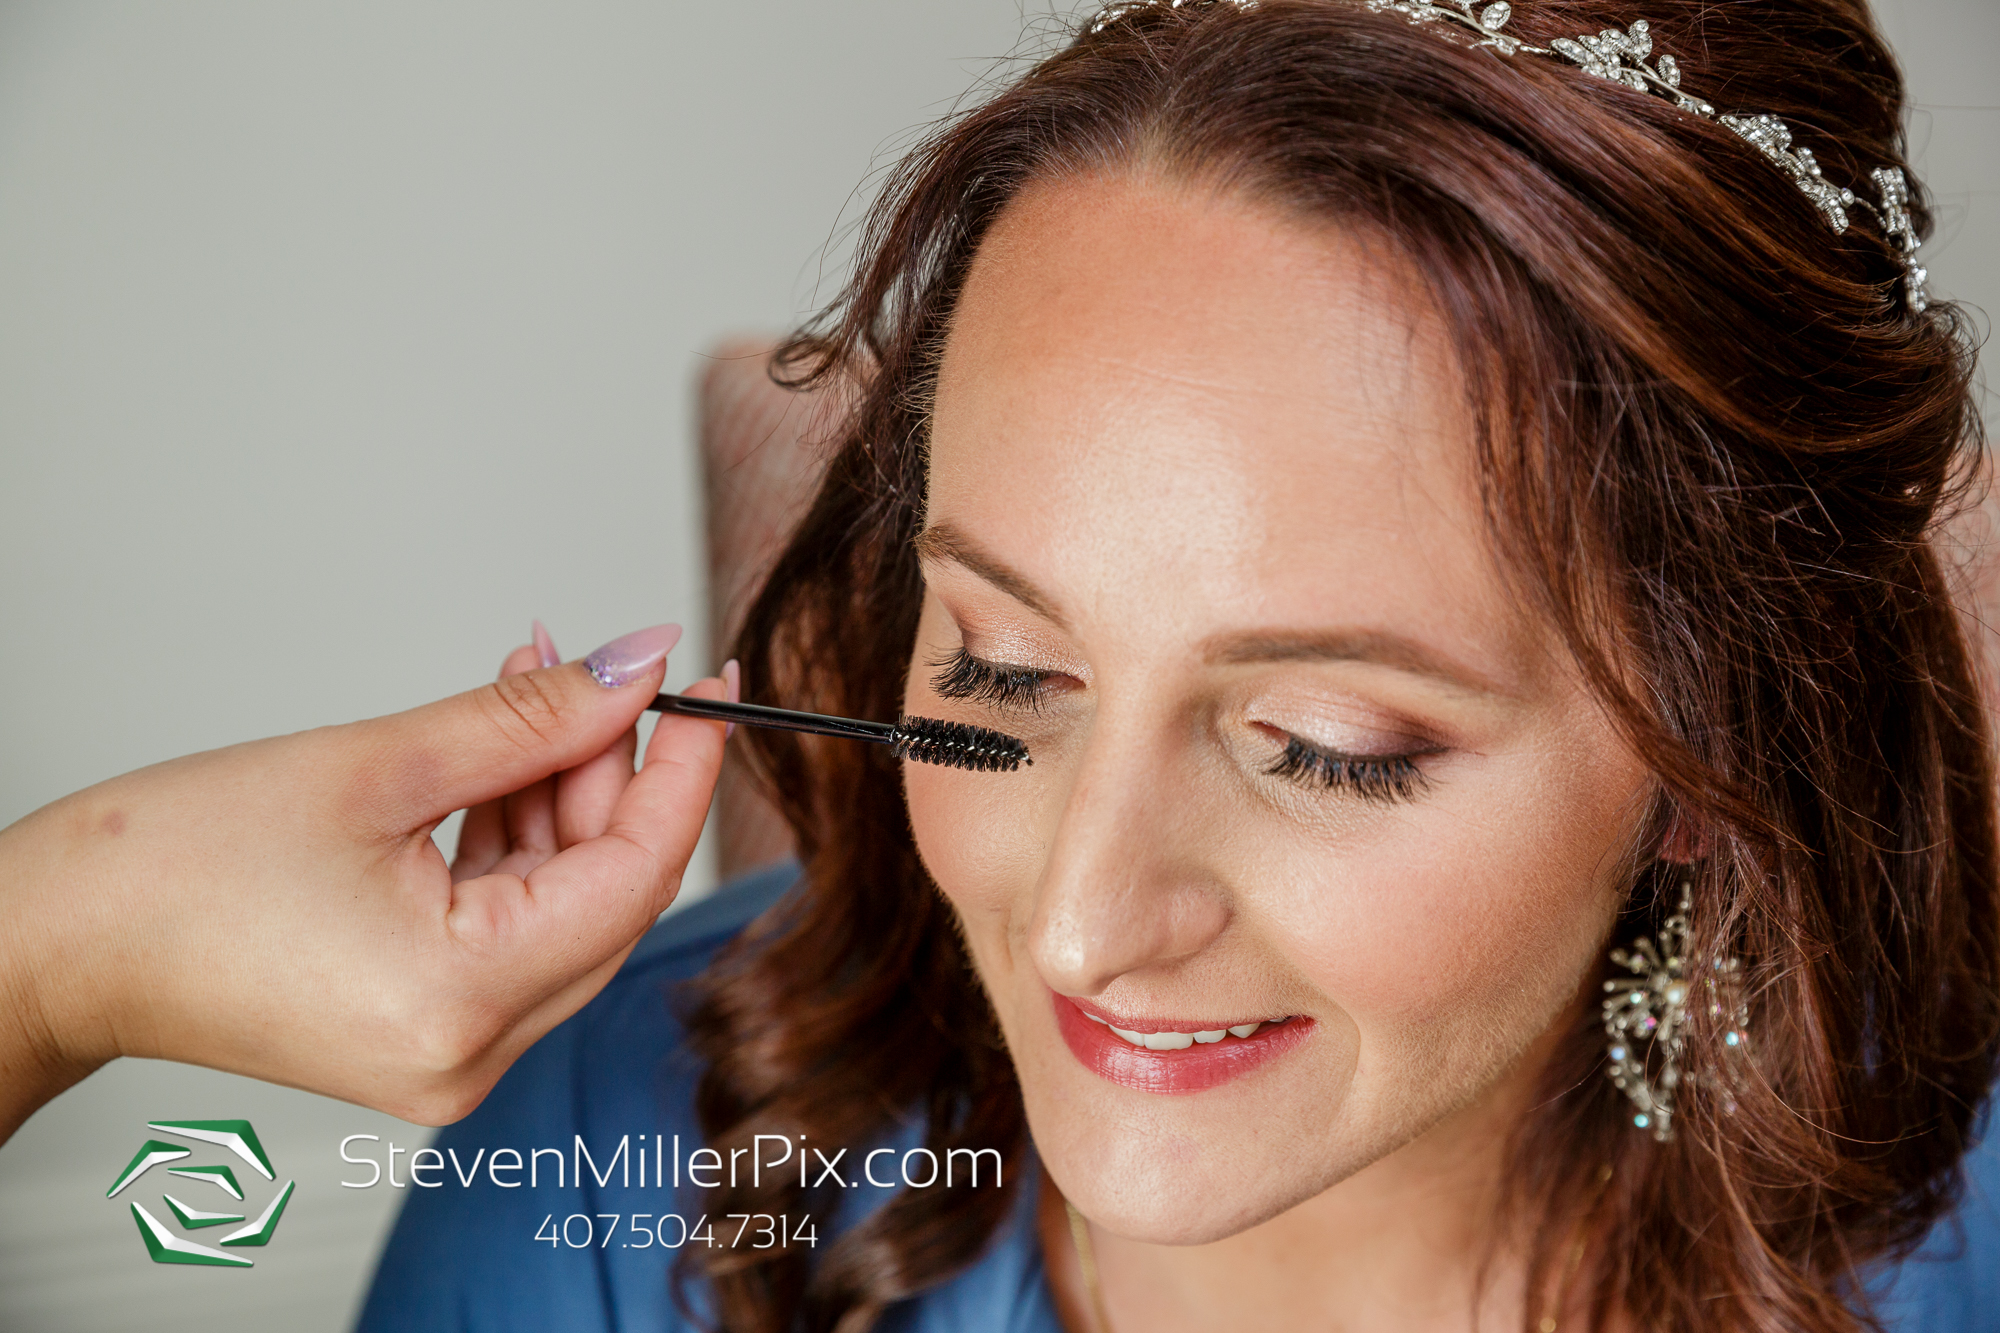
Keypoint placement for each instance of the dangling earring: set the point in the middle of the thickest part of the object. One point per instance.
(1651, 1006)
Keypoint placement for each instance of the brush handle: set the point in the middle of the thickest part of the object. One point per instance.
(757, 715)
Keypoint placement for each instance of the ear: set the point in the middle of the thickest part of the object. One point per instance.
(1687, 838)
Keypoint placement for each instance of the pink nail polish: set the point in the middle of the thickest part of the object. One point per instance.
(732, 687)
(545, 647)
(625, 660)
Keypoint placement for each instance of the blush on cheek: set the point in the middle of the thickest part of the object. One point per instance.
(971, 838)
(1406, 946)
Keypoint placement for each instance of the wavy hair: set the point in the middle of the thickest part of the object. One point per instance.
(1714, 446)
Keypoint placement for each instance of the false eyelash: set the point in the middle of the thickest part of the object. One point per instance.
(963, 676)
(1394, 778)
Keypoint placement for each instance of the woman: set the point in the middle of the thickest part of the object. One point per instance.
(1439, 500)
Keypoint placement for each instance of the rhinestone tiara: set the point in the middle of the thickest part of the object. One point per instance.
(1627, 57)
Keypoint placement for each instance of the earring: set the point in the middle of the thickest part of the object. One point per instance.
(1650, 1005)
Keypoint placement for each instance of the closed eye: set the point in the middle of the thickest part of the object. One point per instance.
(1374, 778)
(963, 676)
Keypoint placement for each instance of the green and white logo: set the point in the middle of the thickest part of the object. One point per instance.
(168, 1246)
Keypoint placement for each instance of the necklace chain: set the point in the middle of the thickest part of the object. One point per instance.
(1086, 1259)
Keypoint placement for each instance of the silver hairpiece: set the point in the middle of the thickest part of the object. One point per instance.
(1623, 57)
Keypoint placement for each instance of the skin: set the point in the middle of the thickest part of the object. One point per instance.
(1209, 468)
(162, 913)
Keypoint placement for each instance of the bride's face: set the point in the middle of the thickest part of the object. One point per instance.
(1203, 530)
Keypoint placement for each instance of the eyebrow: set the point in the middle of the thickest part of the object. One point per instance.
(943, 542)
(1374, 647)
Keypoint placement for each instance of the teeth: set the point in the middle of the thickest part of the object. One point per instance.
(1177, 1041)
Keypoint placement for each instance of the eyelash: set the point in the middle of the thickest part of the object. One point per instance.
(963, 676)
(1395, 778)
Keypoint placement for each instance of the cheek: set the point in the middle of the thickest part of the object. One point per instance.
(978, 835)
(981, 836)
(1456, 951)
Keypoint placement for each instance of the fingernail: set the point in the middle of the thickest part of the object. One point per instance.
(545, 647)
(732, 685)
(623, 661)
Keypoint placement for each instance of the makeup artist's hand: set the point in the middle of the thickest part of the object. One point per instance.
(278, 909)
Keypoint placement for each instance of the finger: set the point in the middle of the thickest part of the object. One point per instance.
(584, 795)
(660, 814)
(732, 689)
(423, 764)
(522, 659)
(482, 841)
(482, 837)
(530, 818)
(587, 794)
(591, 900)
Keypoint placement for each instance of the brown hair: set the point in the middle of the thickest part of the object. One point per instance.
(1697, 406)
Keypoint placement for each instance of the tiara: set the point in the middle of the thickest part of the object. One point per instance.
(1627, 57)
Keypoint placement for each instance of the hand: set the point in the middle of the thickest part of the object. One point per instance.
(278, 909)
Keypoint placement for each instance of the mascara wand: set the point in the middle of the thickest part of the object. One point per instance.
(926, 740)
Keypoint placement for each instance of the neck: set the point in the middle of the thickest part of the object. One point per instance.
(1409, 1243)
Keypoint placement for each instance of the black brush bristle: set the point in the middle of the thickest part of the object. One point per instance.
(956, 745)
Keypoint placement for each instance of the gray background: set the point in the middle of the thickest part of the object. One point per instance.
(339, 338)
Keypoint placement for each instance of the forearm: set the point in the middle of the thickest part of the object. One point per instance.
(32, 1067)
(38, 1059)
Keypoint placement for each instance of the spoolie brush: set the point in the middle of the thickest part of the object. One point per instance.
(925, 740)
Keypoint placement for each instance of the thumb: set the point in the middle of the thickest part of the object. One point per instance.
(501, 737)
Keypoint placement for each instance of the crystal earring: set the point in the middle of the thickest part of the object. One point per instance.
(1650, 1006)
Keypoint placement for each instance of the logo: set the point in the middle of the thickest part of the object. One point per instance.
(164, 1243)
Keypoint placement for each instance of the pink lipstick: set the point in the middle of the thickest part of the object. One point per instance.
(1205, 1060)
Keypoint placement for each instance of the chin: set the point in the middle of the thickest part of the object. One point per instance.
(1168, 1202)
(1190, 1170)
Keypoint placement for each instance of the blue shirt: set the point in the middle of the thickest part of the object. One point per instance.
(580, 1238)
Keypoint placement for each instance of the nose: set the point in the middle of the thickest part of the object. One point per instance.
(1127, 888)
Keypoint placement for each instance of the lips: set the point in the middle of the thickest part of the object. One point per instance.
(1194, 1067)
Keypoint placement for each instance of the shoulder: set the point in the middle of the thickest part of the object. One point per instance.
(1951, 1282)
(598, 1115)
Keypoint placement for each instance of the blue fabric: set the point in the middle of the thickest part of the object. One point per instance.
(1953, 1281)
(465, 1258)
